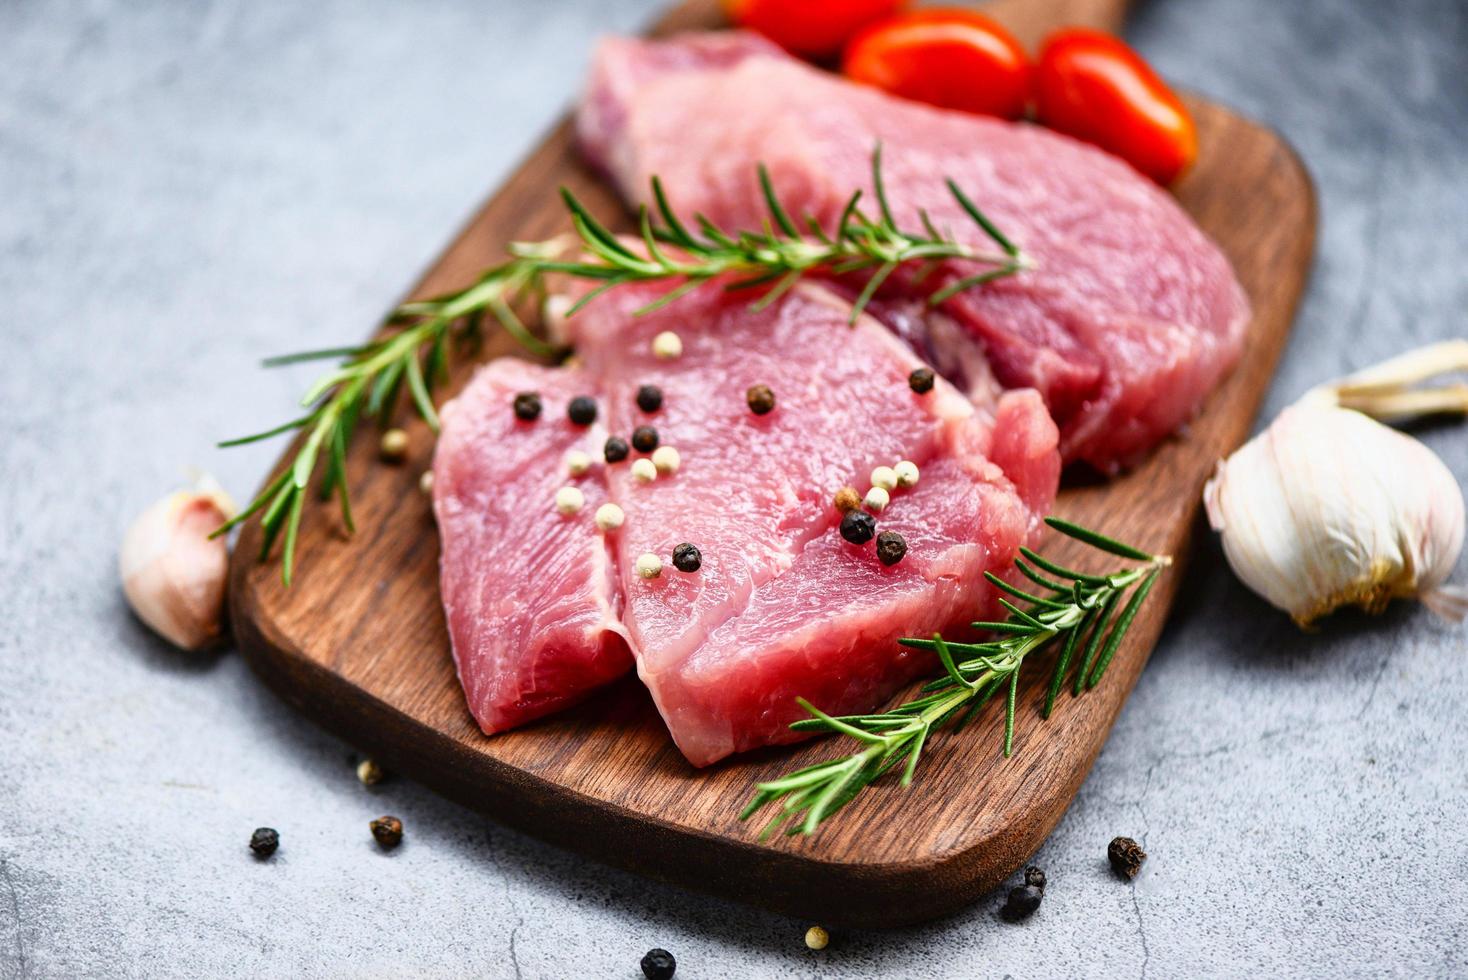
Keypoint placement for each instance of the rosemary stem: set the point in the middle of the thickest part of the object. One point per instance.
(684, 254)
(1068, 613)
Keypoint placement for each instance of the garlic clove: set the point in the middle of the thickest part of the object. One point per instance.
(172, 573)
(1449, 602)
(1328, 508)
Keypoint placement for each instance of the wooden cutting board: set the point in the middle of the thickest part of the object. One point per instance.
(360, 645)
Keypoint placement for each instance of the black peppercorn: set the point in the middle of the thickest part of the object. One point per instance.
(687, 558)
(527, 406)
(659, 964)
(649, 398)
(387, 831)
(644, 438)
(921, 380)
(264, 841)
(891, 547)
(615, 449)
(582, 410)
(1126, 857)
(761, 399)
(1034, 876)
(1022, 902)
(858, 527)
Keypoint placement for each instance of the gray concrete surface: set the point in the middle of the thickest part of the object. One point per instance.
(185, 187)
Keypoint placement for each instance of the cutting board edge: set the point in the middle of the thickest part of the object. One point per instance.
(891, 893)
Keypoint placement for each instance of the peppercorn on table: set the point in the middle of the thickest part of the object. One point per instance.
(191, 187)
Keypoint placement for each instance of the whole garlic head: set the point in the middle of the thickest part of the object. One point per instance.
(1328, 508)
(172, 573)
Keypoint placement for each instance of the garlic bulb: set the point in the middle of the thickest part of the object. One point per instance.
(172, 573)
(1328, 507)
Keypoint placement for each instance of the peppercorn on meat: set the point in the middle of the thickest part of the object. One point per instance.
(731, 576)
(780, 604)
(826, 629)
(1128, 317)
(527, 581)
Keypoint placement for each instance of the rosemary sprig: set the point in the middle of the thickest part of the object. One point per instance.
(368, 381)
(367, 384)
(781, 254)
(1075, 610)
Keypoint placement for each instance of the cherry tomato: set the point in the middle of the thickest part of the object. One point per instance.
(1095, 88)
(813, 28)
(958, 59)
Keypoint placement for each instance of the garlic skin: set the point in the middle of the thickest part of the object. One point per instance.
(172, 573)
(1328, 508)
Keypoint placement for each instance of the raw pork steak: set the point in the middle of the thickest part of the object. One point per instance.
(782, 605)
(1131, 317)
(529, 594)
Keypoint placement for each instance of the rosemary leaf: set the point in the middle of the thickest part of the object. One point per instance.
(1030, 573)
(772, 201)
(837, 724)
(992, 627)
(267, 434)
(293, 527)
(419, 389)
(1019, 593)
(869, 290)
(649, 238)
(264, 498)
(384, 389)
(1062, 662)
(982, 220)
(306, 461)
(1009, 713)
(1095, 540)
(947, 659)
(967, 283)
(275, 513)
(671, 296)
(674, 228)
(339, 453)
(880, 188)
(849, 212)
(712, 232)
(1040, 561)
(593, 232)
(1123, 623)
(1098, 632)
(280, 360)
(912, 755)
(1020, 616)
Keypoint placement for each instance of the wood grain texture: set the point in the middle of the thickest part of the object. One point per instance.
(360, 644)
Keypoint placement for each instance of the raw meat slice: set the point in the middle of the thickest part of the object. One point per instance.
(827, 629)
(529, 595)
(751, 490)
(782, 605)
(1131, 317)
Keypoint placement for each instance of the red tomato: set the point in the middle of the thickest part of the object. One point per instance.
(814, 28)
(958, 59)
(1095, 88)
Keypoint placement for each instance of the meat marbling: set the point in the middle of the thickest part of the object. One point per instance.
(1129, 320)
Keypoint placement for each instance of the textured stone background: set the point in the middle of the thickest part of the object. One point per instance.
(185, 187)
